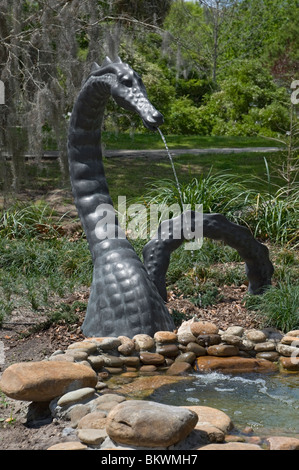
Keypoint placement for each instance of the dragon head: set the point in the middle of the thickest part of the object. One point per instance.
(128, 91)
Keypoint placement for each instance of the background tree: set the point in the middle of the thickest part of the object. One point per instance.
(191, 55)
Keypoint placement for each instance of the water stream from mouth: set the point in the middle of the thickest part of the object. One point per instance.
(173, 168)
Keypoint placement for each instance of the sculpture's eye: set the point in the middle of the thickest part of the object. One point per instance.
(126, 81)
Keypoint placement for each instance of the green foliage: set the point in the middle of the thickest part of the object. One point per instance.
(248, 103)
(183, 118)
(275, 217)
(22, 220)
(269, 216)
(279, 305)
(217, 192)
(265, 29)
(33, 271)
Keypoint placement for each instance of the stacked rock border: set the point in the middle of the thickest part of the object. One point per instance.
(71, 386)
(198, 345)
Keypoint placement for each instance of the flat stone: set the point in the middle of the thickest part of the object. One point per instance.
(75, 396)
(293, 333)
(203, 328)
(69, 445)
(185, 334)
(256, 336)
(289, 363)
(165, 337)
(267, 346)
(149, 358)
(127, 346)
(196, 349)
(62, 358)
(186, 337)
(212, 417)
(233, 340)
(76, 413)
(92, 436)
(149, 424)
(106, 402)
(110, 397)
(131, 361)
(77, 354)
(131, 374)
(232, 364)
(231, 446)
(147, 369)
(112, 361)
(188, 356)
(143, 342)
(87, 346)
(45, 380)
(268, 355)
(96, 362)
(235, 330)
(286, 350)
(247, 345)
(208, 340)
(290, 340)
(283, 443)
(222, 350)
(168, 350)
(179, 368)
(114, 370)
(108, 343)
(93, 420)
(210, 433)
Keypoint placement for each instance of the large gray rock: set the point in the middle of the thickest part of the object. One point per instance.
(149, 424)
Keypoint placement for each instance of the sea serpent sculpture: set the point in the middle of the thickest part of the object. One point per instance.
(128, 297)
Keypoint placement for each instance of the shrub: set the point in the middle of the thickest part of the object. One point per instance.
(183, 118)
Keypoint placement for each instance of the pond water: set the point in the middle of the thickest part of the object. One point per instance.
(268, 403)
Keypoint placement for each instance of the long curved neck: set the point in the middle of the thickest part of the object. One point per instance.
(87, 173)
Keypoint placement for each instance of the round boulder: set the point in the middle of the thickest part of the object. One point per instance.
(149, 424)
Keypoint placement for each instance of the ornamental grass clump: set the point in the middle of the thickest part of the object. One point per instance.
(278, 306)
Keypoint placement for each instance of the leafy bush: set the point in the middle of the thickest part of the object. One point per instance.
(247, 103)
(184, 118)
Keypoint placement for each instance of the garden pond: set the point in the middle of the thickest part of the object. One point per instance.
(269, 404)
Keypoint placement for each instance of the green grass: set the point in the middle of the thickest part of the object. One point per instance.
(39, 266)
(152, 140)
(130, 177)
(34, 273)
(279, 306)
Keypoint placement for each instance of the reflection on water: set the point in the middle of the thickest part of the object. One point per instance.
(269, 404)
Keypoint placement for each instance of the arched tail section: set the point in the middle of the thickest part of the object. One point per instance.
(157, 251)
